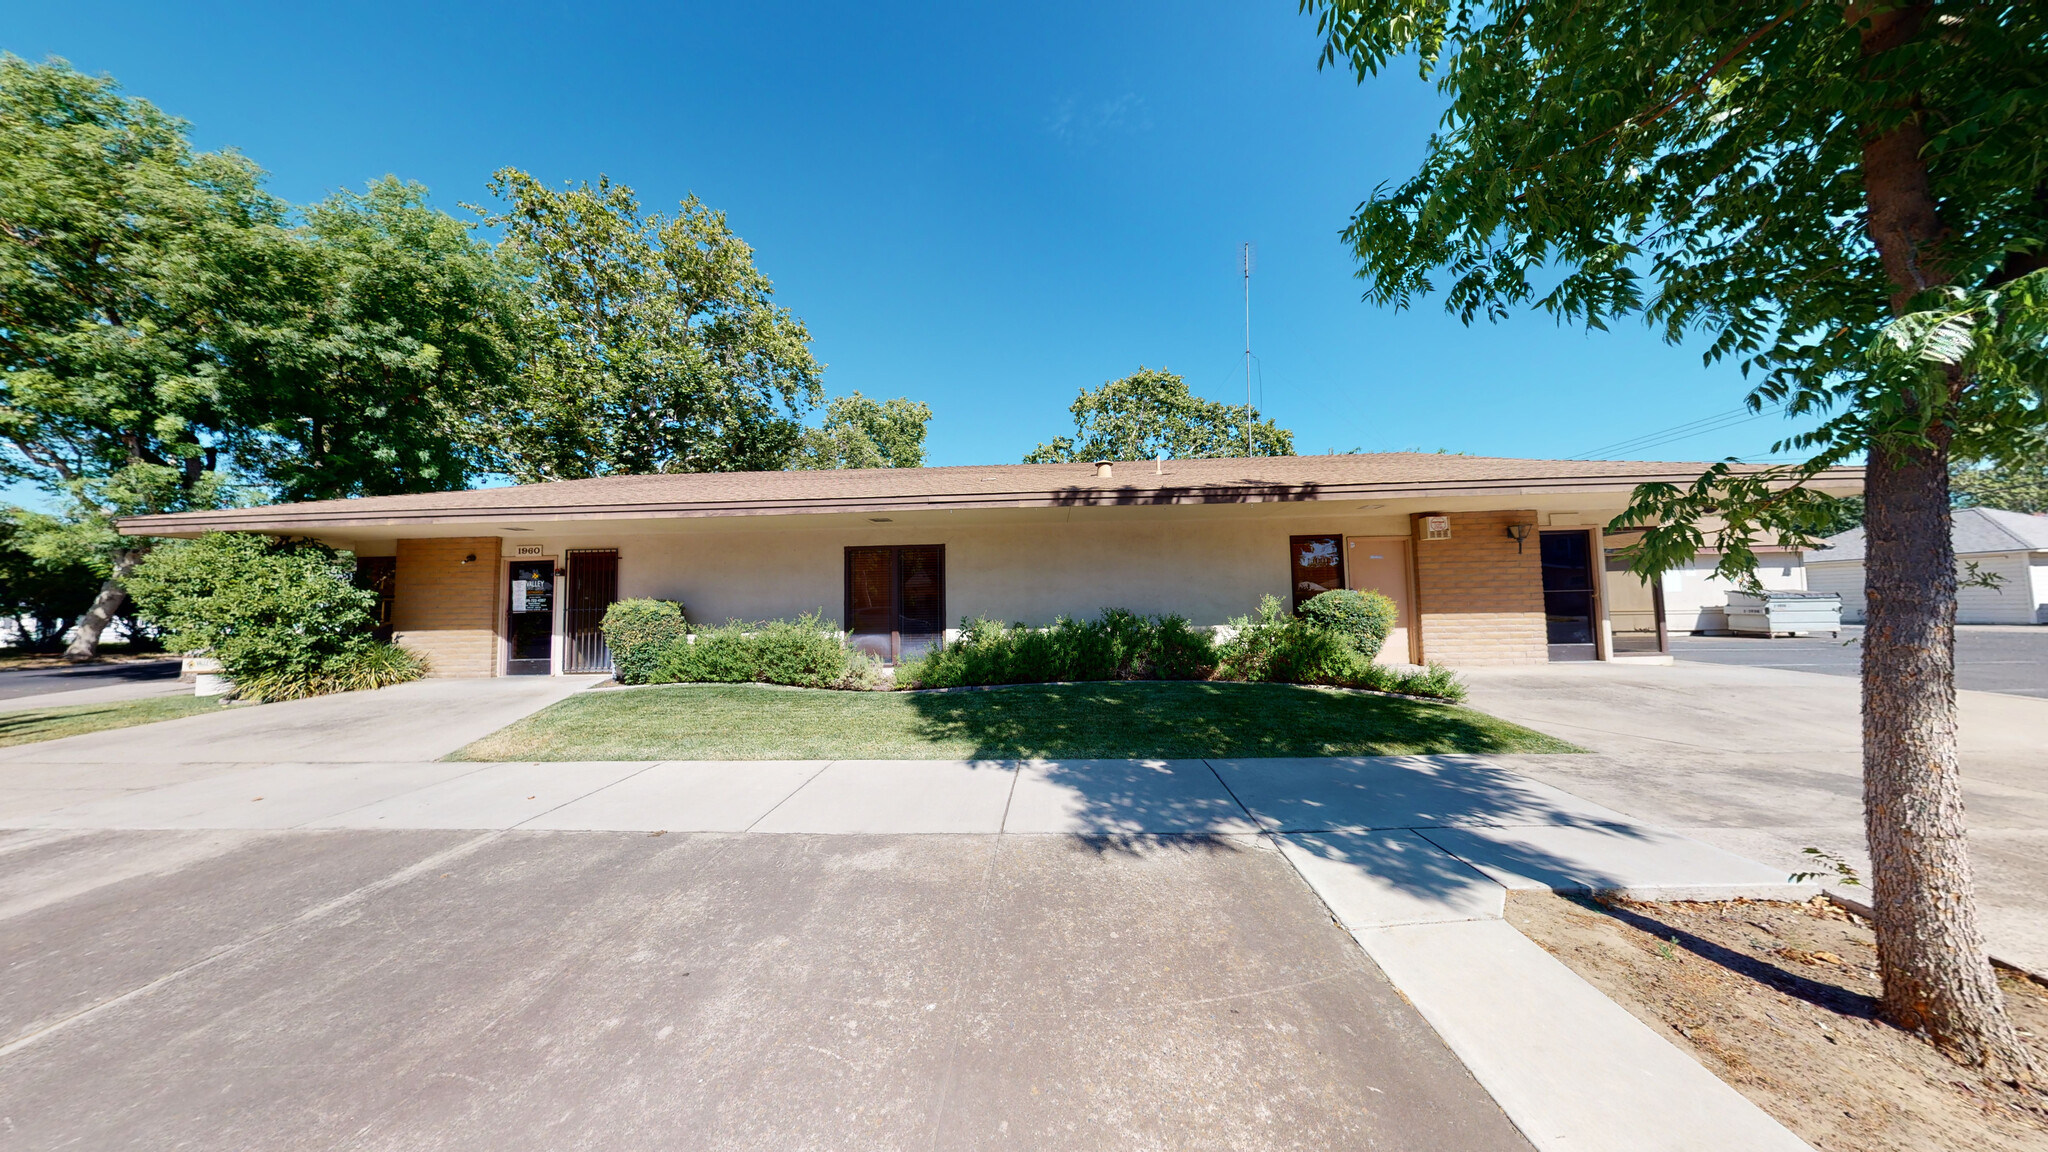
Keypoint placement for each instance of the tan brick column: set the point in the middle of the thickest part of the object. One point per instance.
(1477, 600)
(445, 604)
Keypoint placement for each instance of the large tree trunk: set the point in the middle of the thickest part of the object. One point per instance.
(85, 642)
(1937, 975)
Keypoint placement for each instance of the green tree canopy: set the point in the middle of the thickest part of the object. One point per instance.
(163, 319)
(1151, 413)
(1850, 200)
(2020, 484)
(367, 350)
(863, 433)
(656, 346)
(114, 236)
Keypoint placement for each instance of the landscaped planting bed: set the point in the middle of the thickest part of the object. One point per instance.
(1114, 719)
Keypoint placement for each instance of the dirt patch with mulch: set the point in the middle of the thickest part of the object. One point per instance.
(1779, 1000)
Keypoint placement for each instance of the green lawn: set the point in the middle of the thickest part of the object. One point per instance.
(32, 724)
(1109, 720)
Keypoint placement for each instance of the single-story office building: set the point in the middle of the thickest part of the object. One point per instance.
(1491, 561)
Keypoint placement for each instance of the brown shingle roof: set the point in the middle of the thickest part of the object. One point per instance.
(1228, 480)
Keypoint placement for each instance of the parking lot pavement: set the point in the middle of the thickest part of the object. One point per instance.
(2010, 658)
(512, 990)
(1766, 762)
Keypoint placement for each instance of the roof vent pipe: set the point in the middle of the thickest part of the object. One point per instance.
(1103, 470)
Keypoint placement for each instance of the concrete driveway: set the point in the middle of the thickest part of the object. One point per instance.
(1765, 762)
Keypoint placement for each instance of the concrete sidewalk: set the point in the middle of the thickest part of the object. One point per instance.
(1765, 762)
(1411, 855)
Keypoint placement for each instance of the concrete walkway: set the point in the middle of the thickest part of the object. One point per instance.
(1411, 856)
(1765, 762)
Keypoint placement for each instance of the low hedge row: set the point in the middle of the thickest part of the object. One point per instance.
(1116, 645)
(651, 643)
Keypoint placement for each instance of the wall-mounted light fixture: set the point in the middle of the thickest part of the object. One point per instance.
(469, 559)
(1519, 532)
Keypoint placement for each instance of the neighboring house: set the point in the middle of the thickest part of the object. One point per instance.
(2012, 546)
(1491, 561)
(1696, 600)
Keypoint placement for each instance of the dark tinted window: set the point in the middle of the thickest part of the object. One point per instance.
(1318, 564)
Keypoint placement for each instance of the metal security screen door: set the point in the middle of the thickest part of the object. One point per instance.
(530, 619)
(593, 586)
(895, 599)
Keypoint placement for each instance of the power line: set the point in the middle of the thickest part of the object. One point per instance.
(1677, 432)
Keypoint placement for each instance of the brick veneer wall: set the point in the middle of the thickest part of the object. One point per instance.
(1478, 600)
(447, 610)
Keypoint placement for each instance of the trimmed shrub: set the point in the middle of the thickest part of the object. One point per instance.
(1276, 646)
(1117, 645)
(283, 617)
(806, 652)
(638, 634)
(1364, 618)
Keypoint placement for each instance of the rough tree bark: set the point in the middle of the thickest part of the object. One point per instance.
(1937, 974)
(85, 641)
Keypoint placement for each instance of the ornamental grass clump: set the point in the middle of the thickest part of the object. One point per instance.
(283, 617)
(1117, 645)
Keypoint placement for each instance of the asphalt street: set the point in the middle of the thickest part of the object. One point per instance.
(559, 990)
(19, 682)
(1989, 657)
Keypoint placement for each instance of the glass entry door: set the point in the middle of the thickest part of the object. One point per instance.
(530, 619)
(1568, 594)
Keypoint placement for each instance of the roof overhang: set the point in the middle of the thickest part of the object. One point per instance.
(519, 507)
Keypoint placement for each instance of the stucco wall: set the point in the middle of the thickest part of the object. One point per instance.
(1029, 571)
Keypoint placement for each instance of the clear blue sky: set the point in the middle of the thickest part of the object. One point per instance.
(984, 207)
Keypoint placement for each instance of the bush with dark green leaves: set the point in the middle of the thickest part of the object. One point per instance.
(1363, 617)
(806, 652)
(283, 617)
(1280, 647)
(1117, 645)
(638, 633)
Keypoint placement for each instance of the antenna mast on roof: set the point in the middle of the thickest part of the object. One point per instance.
(1247, 258)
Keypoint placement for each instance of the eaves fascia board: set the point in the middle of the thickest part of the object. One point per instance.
(284, 518)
